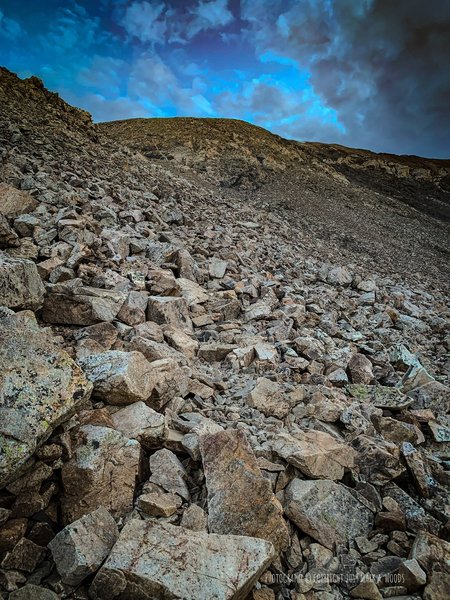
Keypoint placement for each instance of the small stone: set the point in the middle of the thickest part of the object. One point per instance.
(268, 398)
(367, 590)
(81, 547)
(25, 556)
(217, 268)
(412, 575)
(11, 532)
(360, 369)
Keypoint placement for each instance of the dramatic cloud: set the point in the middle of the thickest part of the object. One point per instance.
(381, 65)
(365, 73)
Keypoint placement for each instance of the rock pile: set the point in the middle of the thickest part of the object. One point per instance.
(199, 407)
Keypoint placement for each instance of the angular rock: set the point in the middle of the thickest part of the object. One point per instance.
(14, 202)
(268, 398)
(240, 499)
(25, 556)
(378, 460)
(81, 547)
(217, 268)
(360, 369)
(181, 341)
(102, 472)
(156, 560)
(8, 237)
(315, 453)
(119, 377)
(140, 422)
(159, 505)
(80, 305)
(20, 284)
(214, 351)
(168, 472)
(380, 396)
(169, 311)
(195, 518)
(412, 575)
(40, 387)
(192, 292)
(430, 552)
(326, 511)
(133, 310)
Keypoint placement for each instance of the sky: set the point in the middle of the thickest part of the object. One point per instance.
(364, 73)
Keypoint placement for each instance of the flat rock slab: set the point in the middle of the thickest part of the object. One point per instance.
(40, 387)
(240, 499)
(326, 511)
(380, 396)
(315, 453)
(156, 560)
(102, 472)
(80, 548)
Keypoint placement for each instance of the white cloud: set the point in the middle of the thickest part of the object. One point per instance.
(146, 21)
(209, 15)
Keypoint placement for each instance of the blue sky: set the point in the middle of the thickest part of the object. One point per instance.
(364, 73)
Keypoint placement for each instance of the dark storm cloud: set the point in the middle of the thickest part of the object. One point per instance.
(382, 65)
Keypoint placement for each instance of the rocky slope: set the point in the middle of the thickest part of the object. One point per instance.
(391, 212)
(201, 394)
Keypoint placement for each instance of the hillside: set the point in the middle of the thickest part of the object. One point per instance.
(392, 210)
(223, 363)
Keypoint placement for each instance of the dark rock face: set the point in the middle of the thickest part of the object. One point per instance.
(223, 364)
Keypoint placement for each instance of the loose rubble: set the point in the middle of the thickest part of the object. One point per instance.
(196, 402)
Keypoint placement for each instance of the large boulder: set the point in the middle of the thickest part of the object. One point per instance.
(102, 472)
(40, 387)
(119, 377)
(81, 547)
(75, 304)
(158, 560)
(326, 511)
(20, 284)
(240, 499)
